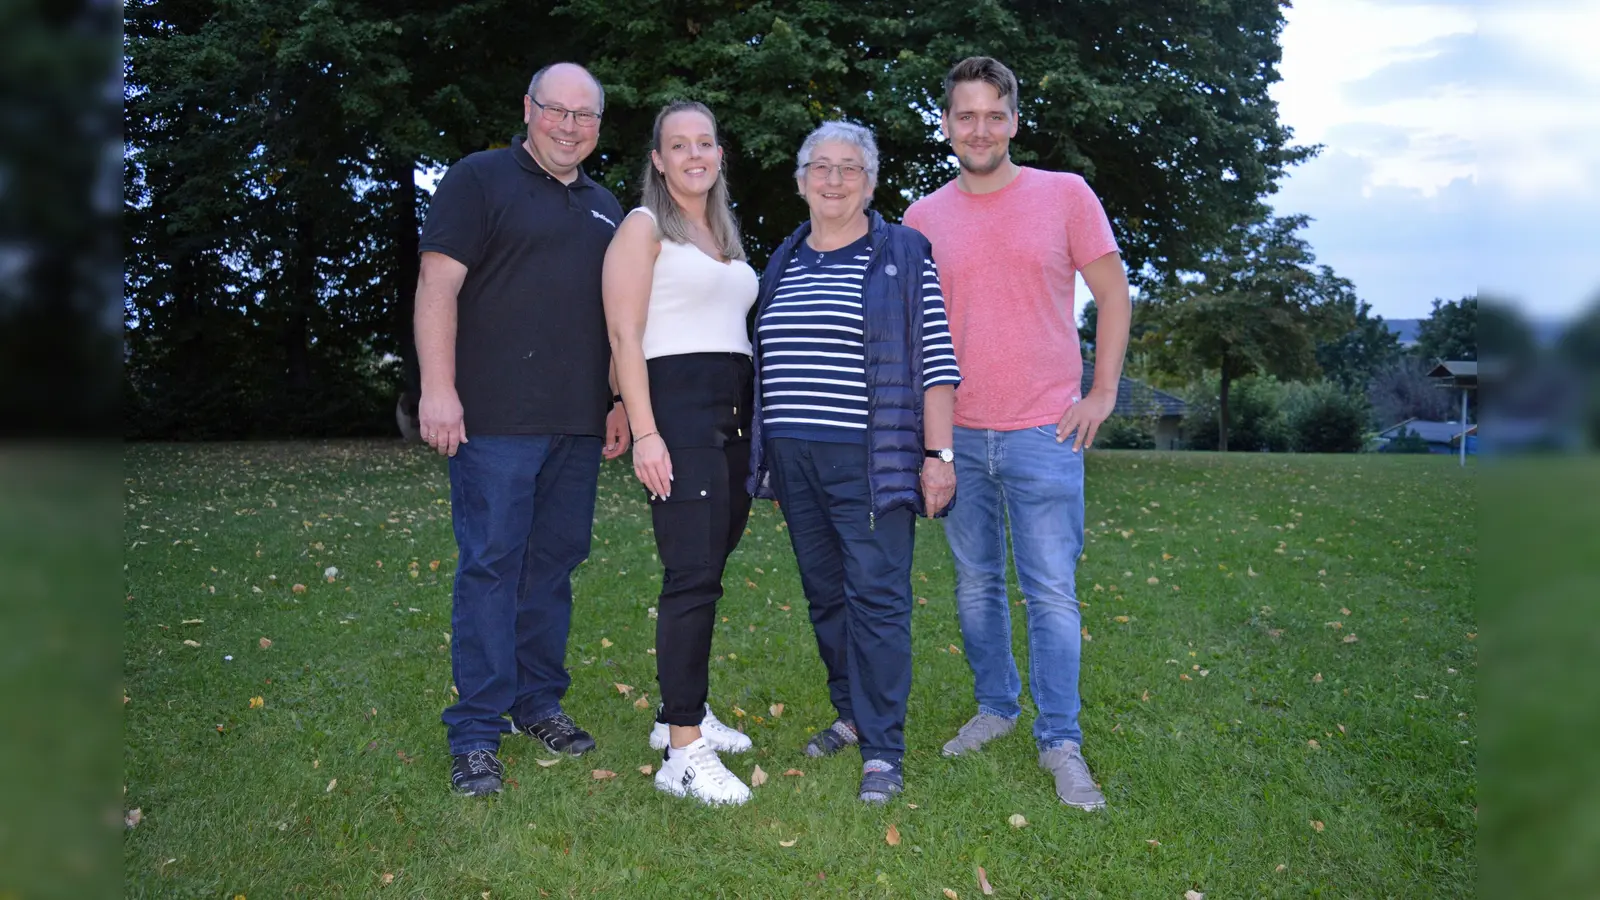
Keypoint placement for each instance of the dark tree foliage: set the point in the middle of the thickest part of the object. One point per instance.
(271, 212)
(1450, 332)
(59, 344)
(1352, 359)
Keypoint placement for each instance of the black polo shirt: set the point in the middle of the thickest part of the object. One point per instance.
(532, 354)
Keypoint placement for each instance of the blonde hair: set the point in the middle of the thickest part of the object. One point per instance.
(671, 224)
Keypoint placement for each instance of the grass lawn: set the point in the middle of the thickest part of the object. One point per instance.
(1279, 697)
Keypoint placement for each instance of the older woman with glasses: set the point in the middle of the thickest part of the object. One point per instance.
(855, 391)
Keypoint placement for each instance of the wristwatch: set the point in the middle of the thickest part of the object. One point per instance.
(945, 455)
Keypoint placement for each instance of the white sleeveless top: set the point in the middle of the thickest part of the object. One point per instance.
(697, 305)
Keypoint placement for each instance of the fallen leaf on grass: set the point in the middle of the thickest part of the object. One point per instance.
(1350, 639)
(192, 622)
(388, 878)
(1281, 868)
(333, 783)
(757, 777)
(647, 770)
(1184, 676)
(983, 883)
(951, 894)
(1017, 821)
(133, 818)
(298, 589)
(1344, 611)
(776, 709)
(605, 642)
(1250, 570)
(1193, 895)
(603, 774)
(191, 643)
(1152, 580)
(547, 763)
(1313, 744)
(1145, 697)
(264, 643)
(954, 649)
(433, 566)
(1317, 678)
(1341, 729)
(643, 702)
(789, 843)
(795, 772)
(892, 836)
(1122, 619)
(257, 702)
(623, 689)
(1316, 825)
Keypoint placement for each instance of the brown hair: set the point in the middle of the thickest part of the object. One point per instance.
(984, 69)
(671, 224)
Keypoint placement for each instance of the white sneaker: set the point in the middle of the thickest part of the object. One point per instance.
(721, 738)
(697, 772)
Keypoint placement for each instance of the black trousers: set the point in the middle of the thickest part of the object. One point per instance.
(702, 405)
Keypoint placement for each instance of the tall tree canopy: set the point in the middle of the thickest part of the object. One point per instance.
(272, 149)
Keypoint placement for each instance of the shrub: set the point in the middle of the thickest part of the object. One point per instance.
(1323, 419)
(1127, 433)
(1255, 421)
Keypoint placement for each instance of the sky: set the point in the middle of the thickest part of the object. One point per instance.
(1461, 148)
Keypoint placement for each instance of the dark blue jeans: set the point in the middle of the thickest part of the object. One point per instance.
(857, 581)
(523, 507)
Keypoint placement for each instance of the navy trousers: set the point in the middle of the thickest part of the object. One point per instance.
(857, 580)
(523, 509)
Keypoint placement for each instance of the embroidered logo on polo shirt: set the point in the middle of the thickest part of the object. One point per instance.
(602, 218)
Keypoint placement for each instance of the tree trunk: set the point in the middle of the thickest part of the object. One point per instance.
(401, 172)
(302, 295)
(1222, 409)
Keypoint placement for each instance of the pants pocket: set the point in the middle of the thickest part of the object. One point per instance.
(683, 524)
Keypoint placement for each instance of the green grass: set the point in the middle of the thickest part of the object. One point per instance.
(1197, 714)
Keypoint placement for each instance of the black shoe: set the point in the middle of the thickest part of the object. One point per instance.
(558, 733)
(477, 773)
(831, 740)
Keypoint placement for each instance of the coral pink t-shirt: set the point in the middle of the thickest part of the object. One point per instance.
(1007, 262)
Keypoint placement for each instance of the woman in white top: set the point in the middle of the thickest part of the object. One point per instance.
(677, 291)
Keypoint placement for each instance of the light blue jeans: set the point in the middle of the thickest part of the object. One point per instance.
(1037, 484)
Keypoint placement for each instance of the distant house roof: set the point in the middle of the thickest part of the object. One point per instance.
(1432, 432)
(1135, 398)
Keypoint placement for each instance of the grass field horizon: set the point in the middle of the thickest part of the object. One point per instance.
(1279, 696)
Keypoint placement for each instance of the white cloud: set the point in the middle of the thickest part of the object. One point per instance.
(1462, 147)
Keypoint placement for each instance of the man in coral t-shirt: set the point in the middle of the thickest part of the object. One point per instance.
(1008, 241)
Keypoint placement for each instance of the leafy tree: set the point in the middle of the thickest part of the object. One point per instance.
(1352, 359)
(1257, 303)
(1256, 423)
(1450, 332)
(271, 212)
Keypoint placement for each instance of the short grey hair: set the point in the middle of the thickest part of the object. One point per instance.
(845, 132)
(533, 83)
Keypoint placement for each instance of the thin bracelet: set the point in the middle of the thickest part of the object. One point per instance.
(641, 437)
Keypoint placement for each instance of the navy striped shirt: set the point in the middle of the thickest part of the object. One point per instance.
(813, 358)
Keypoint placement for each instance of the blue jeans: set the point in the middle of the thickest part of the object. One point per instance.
(857, 580)
(1027, 478)
(523, 507)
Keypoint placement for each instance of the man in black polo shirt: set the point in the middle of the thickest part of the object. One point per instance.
(511, 337)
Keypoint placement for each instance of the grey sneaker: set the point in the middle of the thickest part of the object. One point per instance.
(1074, 785)
(979, 730)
